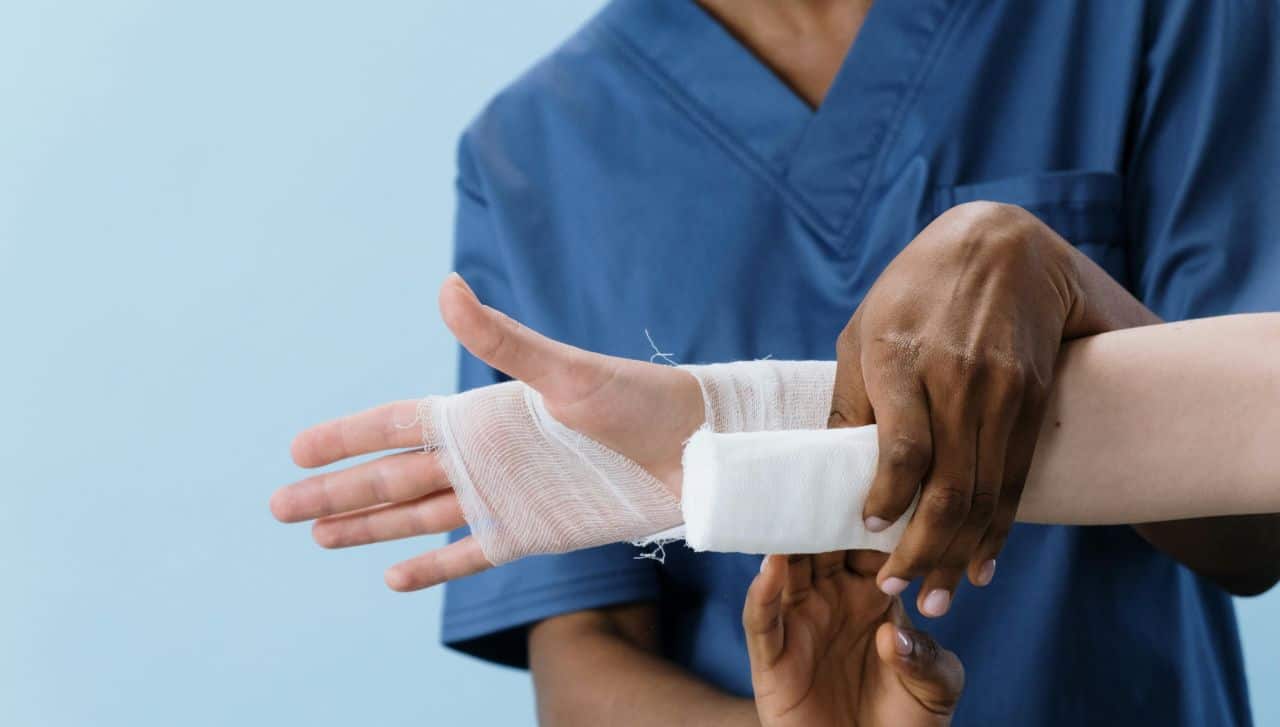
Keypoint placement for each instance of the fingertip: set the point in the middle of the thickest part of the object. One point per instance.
(876, 524)
(456, 279)
(455, 300)
(889, 642)
(886, 503)
(761, 609)
(281, 507)
(933, 602)
(398, 581)
(893, 585)
(982, 572)
(773, 571)
(300, 451)
(764, 594)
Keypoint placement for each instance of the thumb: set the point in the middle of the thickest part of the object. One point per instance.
(503, 343)
(929, 673)
(850, 406)
(761, 614)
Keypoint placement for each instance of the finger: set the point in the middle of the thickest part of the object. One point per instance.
(505, 344)
(799, 581)
(929, 673)
(943, 507)
(1021, 450)
(452, 561)
(993, 438)
(865, 562)
(389, 426)
(394, 478)
(850, 406)
(761, 615)
(905, 449)
(436, 513)
(827, 565)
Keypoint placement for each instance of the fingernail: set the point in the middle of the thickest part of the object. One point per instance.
(876, 524)
(893, 585)
(764, 563)
(935, 604)
(986, 572)
(902, 642)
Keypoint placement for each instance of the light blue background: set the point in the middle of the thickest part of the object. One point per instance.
(221, 222)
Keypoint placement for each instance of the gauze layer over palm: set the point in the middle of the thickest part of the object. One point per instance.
(528, 484)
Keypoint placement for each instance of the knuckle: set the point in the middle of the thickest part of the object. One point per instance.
(968, 213)
(965, 362)
(982, 508)
(994, 227)
(380, 482)
(907, 456)
(505, 338)
(1011, 372)
(901, 347)
(848, 343)
(947, 504)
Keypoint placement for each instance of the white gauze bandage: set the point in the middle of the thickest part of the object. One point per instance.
(528, 484)
(765, 476)
(761, 476)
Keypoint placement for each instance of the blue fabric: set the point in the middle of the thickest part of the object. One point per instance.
(652, 174)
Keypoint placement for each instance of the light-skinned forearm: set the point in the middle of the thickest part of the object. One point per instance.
(1240, 553)
(1163, 422)
(603, 667)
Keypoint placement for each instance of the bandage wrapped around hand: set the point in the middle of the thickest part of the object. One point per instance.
(529, 485)
(756, 477)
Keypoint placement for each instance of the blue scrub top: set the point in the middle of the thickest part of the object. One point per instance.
(652, 174)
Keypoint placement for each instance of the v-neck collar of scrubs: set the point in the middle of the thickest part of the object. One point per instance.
(822, 161)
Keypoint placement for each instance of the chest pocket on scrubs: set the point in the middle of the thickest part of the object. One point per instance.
(1085, 207)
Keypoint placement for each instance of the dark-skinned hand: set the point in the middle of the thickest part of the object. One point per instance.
(827, 648)
(952, 354)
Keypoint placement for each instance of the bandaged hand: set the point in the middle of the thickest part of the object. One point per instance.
(579, 450)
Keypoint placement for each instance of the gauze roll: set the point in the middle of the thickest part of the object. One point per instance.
(529, 485)
(796, 491)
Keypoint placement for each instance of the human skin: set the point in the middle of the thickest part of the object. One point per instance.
(827, 647)
(952, 353)
(604, 666)
(559, 646)
(1115, 447)
(803, 42)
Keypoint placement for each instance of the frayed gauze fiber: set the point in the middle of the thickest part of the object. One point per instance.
(528, 484)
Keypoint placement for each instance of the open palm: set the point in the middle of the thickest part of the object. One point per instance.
(641, 410)
(827, 647)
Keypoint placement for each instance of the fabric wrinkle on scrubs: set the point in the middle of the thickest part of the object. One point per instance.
(651, 173)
